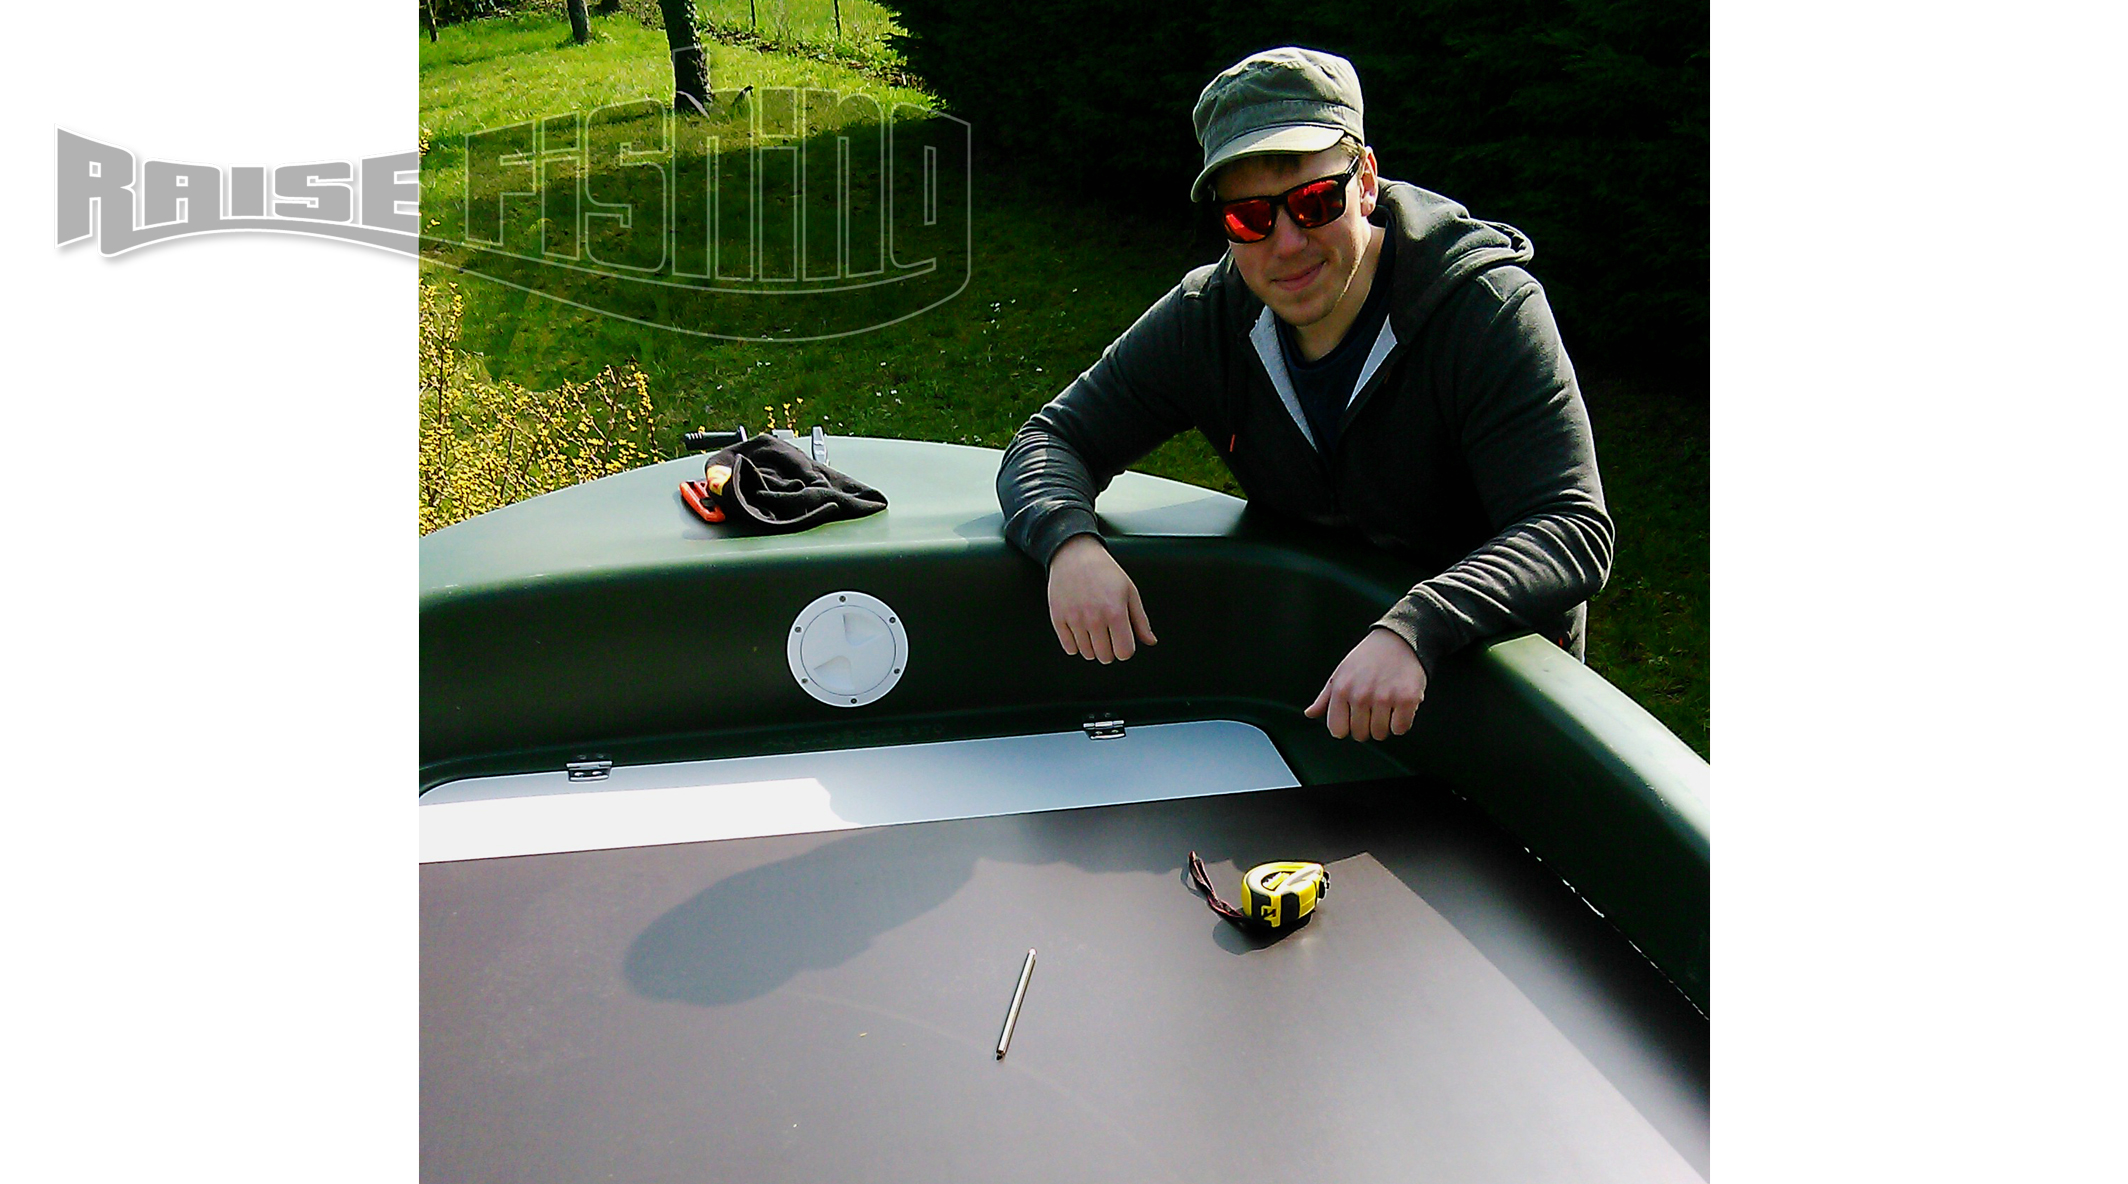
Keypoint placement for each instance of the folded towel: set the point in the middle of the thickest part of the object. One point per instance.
(764, 485)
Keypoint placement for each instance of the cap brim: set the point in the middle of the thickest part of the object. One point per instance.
(1301, 138)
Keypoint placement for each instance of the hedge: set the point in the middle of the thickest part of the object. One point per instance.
(1584, 122)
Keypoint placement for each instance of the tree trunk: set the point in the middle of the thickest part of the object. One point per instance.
(690, 63)
(579, 22)
(428, 18)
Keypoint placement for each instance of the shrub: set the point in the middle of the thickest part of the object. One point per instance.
(1583, 122)
(486, 444)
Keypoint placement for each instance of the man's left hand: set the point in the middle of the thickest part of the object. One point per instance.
(1375, 691)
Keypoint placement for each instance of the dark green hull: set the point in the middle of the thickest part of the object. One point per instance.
(604, 620)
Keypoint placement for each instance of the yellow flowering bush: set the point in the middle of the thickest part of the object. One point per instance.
(488, 443)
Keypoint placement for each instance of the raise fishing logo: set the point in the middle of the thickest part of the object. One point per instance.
(784, 215)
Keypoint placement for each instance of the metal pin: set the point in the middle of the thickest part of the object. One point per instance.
(1013, 1016)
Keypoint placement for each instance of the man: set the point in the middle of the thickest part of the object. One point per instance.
(1367, 357)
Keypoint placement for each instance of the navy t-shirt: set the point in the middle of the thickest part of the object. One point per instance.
(1325, 385)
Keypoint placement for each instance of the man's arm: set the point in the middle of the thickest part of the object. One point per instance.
(1525, 436)
(1121, 408)
(1093, 605)
(1374, 693)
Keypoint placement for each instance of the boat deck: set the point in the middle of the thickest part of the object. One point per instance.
(779, 940)
(825, 1006)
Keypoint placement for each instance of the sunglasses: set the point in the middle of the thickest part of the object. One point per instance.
(1310, 203)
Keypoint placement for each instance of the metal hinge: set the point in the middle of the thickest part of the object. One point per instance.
(589, 770)
(1102, 729)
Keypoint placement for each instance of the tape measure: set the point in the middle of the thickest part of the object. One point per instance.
(1280, 895)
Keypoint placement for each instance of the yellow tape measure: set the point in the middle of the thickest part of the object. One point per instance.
(1279, 895)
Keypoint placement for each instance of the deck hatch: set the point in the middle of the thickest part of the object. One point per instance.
(797, 793)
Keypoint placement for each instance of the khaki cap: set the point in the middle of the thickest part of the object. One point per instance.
(1280, 100)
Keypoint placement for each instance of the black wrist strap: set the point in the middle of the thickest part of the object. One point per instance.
(1203, 883)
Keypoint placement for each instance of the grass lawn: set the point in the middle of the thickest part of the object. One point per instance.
(795, 22)
(1648, 628)
(1052, 284)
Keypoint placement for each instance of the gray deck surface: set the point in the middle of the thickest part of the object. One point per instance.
(824, 1007)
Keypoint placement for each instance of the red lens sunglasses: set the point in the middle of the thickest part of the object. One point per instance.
(1311, 203)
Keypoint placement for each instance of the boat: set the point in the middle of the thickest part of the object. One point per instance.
(735, 848)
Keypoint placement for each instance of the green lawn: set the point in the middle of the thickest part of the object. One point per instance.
(1648, 629)
(807, 27)
(801, 21)
(1051, 286)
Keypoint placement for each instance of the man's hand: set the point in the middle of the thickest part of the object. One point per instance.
(1375, 691)
(1093, 605)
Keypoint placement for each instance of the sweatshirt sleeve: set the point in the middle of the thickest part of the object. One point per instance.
(1525, 435)
(1125, 405)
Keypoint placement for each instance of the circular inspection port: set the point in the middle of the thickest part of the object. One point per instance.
(848, 649)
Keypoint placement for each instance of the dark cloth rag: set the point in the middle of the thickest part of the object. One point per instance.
(774, 488)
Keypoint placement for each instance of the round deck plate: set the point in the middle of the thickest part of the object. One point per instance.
(848, 649)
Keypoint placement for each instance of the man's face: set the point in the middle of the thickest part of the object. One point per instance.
(1302, 275)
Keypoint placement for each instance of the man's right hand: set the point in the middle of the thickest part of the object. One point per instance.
(1093, 605)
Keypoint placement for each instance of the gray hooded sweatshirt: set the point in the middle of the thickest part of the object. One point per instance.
(1465, 446)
